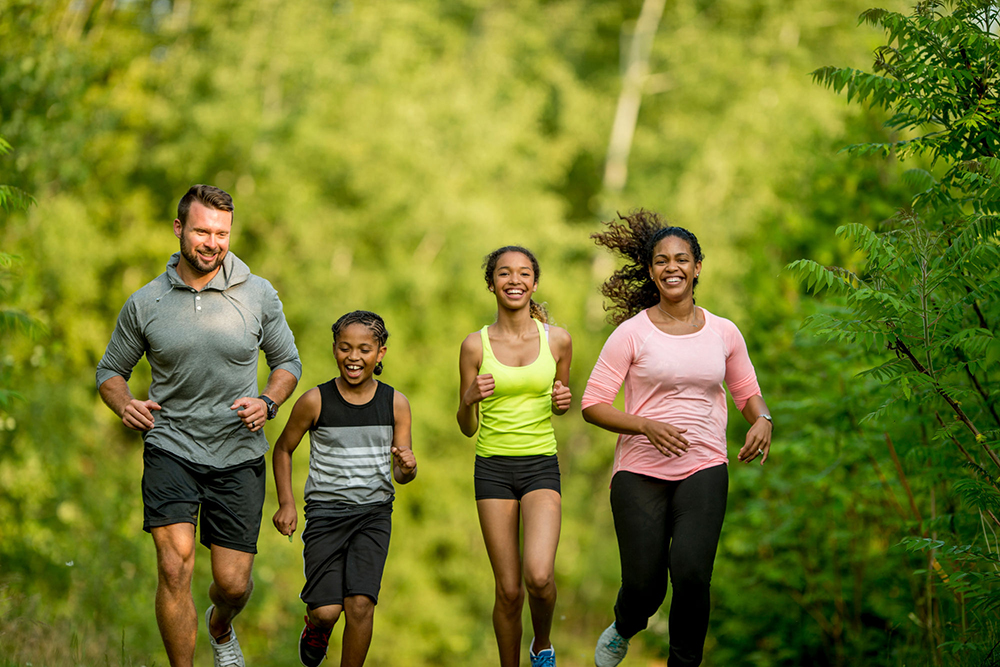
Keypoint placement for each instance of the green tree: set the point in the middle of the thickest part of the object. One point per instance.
(920, 302)
(376, 151)
(13, 321)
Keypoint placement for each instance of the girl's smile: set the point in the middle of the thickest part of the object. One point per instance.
(357, 353)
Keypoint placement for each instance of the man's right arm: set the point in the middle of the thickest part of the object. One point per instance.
(134, 413)
(123, 353)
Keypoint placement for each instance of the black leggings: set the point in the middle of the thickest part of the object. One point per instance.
(668, 525)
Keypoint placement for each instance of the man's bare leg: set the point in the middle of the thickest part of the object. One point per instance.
(230, 590)
(175, 612)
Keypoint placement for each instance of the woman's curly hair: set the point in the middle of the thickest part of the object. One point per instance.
(634, 237)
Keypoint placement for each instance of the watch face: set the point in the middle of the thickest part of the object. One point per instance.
(272, 407)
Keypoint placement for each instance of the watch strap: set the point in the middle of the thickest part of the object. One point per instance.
(272, 407)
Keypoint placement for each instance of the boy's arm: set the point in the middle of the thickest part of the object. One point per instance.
(304, 415)
(404, 464)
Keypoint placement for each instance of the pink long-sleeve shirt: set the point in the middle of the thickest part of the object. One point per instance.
(673, 379)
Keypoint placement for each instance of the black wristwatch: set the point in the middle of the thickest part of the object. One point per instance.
(272, 407)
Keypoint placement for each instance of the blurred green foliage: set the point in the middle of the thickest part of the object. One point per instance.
(922, 305)
(376, 152)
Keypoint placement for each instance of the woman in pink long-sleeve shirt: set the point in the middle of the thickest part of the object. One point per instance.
(670, 480)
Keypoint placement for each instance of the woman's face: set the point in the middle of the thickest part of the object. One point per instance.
(514, 280)
(673, 269)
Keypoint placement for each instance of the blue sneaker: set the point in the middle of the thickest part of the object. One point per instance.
(546, 658)
(611, 648)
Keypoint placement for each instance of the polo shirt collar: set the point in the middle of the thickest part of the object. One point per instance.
(233, 272)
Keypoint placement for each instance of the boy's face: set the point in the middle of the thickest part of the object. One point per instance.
(357, 352)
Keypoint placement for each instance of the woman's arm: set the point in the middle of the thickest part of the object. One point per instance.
(561, 345)
(758, 441)
(472, 387)
(665, 437)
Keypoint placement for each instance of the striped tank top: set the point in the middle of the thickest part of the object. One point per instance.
(516, 420)
(350, 465)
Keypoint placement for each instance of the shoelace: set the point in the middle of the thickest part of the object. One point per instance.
(617, 644)
(316, 637)
(229, 653)
(547, 660)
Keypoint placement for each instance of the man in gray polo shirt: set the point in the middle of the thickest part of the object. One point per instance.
(200, 325)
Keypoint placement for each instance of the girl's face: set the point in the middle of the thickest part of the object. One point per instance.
(357, 352)
(514, 280)
(673, 269)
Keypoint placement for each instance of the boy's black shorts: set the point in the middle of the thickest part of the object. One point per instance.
(345, 555)
(230, 499)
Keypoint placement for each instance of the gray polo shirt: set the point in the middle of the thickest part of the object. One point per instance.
(202, 348)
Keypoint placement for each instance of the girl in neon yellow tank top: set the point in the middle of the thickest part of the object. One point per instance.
(514, 377)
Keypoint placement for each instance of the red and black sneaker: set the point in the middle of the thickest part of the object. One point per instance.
(312, 644)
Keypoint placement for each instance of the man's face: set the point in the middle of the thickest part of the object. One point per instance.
(204, 238)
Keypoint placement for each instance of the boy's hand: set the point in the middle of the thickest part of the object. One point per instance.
(286, 519)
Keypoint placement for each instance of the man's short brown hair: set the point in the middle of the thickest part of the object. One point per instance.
(207, 195)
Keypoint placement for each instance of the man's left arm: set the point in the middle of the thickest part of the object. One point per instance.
(278, 344)
(253, 410)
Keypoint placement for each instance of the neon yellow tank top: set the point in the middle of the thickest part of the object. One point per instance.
(517, 419)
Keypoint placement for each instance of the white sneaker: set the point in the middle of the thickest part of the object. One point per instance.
(228, 654)
(611, 648)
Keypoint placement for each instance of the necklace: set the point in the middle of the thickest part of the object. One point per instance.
(694, 326)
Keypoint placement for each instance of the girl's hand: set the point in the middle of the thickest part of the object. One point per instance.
(404, 459)
(481, 388)
(286, 519)
(758, 442)
(666, 438)
(562, 397)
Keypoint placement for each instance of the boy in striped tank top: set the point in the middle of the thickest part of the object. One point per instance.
(359, 430)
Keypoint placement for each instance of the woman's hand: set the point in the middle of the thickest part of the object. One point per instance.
(665, 437)
(758, 443)
(562, 398)
(482, 387)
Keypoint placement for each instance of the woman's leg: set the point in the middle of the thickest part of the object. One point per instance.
(698, 507)
(542, 512)
(499, 520)
(640, 506)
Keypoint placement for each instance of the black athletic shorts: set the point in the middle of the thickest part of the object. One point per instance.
(230, 499)
(345, 555)
(511, 477)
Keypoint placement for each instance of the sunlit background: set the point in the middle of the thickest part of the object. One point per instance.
(376, 151)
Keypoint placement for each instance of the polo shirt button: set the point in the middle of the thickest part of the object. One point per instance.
(199, 307)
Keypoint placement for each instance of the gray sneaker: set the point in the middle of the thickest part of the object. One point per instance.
(611, 648)
(228, 654)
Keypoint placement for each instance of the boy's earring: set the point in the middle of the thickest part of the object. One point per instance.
(378, 368)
